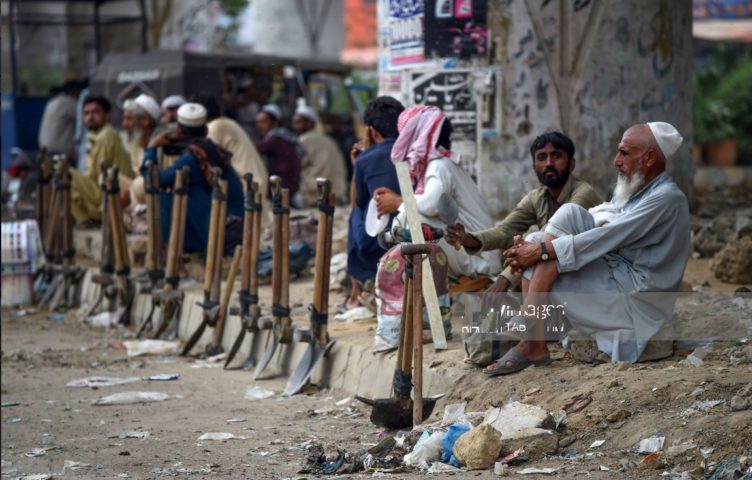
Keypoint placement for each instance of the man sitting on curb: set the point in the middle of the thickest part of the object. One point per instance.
(614, 276)
(553, 162)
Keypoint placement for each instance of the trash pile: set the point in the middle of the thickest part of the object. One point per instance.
(507, 439)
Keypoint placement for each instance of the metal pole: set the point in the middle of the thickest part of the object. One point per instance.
(144, 24)
(13, 59)
(97, 33)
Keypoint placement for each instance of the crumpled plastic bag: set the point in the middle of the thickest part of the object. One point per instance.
(136, 348)
(127, 398)
(427, 450)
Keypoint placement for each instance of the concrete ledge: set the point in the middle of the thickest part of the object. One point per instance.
(350, 366)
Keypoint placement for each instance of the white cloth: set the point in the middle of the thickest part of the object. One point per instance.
(605, 213)
(443, 175)
(57, 129)
(148, 106)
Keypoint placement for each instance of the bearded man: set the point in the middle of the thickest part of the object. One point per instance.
(616, 276)
(553, 162)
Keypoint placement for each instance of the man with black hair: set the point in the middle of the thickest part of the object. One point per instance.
(279, 147)
(200, 154)
(373, 169)
(57, 130)
(553, 162)
(105, 150)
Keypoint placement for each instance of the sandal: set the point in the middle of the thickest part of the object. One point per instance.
(519, 362)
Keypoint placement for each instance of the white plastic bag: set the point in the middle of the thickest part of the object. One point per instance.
(428, 449)
(254, 392)
(126, 398)
(219, 436)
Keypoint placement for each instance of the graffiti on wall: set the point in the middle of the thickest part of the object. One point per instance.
(655, 41)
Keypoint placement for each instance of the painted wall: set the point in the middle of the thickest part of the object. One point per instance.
(591, 69)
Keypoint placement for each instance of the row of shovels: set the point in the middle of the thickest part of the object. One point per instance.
(166, 294)
(58, 281)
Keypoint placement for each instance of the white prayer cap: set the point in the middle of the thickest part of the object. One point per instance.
(667, 136)
(173, 101)
(192, 115)
(130, 105)
(272, 110)
(148, 106)
(307, 112)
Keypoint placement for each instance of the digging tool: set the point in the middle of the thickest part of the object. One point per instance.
(50, 281)
(43, 201)
(170, 297)
(106, 268)
(317, 336)
(400, 410)
(212, 273)
(281, 323)
(248, 294)
(215, 347)
(125, 289)
(154, 257)
(66, 294)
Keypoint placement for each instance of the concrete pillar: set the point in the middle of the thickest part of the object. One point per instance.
(590, 68)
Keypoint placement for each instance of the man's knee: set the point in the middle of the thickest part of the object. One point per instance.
(570, 219)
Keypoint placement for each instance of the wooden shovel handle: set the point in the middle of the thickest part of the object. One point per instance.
(250, 194)
(219, 249)
(417, 339)
(212, 241)
(256, 242)
(284, 295)
(173, 250)
(229, 286)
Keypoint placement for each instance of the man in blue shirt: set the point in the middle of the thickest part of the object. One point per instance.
(200, 155)
(373, 169)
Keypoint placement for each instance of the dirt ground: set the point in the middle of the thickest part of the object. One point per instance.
(629, 403)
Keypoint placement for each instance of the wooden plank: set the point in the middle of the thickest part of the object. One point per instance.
(429, 288)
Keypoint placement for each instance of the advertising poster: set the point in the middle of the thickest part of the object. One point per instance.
(455, 28)
(405, 25)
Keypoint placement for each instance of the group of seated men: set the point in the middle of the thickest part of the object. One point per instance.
(609, 263)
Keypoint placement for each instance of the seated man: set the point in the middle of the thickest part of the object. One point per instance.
(622, 273)
(424, 142)
(201, 155)
(553, 162)
(373, 168)
(322, 158)
(279, 147)
(105, 150)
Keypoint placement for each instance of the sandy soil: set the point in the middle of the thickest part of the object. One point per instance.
(629, 402)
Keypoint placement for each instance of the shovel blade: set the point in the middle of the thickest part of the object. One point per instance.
(235, 346)
(194, 338)
(271, 347)
(313, 355)
(389, 413)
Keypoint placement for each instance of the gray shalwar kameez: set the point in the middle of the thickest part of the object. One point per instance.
(618, 281)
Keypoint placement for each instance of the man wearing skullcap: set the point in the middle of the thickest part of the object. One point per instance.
(170, 107)
(201, 155)
(105, 150)
(623, 270)
(146, 114)
(322, 158)
(129, 135)
(279, 147)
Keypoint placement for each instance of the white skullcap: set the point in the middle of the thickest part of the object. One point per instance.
(173, 101)
(148, 106)
(130, 104)
(667, 136)
(272, 110)
(192, 115)
(307, 112)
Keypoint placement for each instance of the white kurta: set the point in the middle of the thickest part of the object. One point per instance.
(443, 175)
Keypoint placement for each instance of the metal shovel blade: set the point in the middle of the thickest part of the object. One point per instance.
(271, 347)
(194, 338)
(313, 355)
(235, 346)
(388, 412)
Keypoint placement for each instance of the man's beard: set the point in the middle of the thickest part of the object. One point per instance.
(626, 186)
(557, 181)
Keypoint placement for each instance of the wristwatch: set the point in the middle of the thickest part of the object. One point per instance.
(544, 252)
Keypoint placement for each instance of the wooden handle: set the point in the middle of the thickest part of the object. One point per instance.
(229, 286)
(173, 250)
(183, 214)
(417, 339)
(220, 248)
(256, 242)
(212, 242)
(284, 295)
(321, 235)
(250, 195)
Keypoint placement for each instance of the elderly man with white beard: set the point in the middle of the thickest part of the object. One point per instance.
(614, 274)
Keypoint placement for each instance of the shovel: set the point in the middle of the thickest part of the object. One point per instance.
(125, 289)
(154, 258)
(106, 268)
(317, 337)
(248, 294)
(400, 410)
(213, 268)
(281, 324)
(170, 298)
